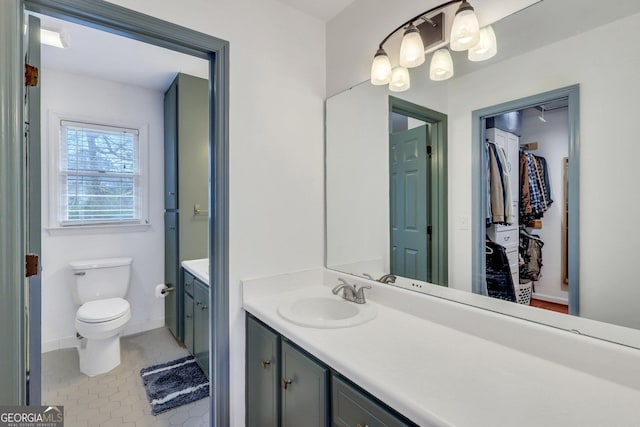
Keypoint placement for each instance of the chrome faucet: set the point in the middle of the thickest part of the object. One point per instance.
(349, 292)
(387, 278)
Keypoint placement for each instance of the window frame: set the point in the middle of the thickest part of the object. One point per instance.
(59, 225)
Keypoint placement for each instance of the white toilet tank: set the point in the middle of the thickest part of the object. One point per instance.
(100, 279)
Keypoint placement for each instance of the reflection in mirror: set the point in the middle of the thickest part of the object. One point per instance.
(529, 62)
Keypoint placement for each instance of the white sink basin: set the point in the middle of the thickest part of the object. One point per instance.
(326, 312)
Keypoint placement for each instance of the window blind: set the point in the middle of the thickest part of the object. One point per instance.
(99, 174)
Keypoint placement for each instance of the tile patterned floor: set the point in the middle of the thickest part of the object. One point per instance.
(116, 398)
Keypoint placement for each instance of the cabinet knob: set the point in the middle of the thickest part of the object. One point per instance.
(172, 193)
(188, 316)
(198, 303)
(265, 363)
(362, 425)
(286, 383)
(203, 308)
(172, 227)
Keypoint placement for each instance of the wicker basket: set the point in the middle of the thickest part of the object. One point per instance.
(523, 293)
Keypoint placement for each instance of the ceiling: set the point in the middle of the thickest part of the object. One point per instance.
(115, 58)
(324, 10)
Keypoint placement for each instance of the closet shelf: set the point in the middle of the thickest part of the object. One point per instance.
(530, 146)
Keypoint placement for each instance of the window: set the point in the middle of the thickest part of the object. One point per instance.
(100, 178)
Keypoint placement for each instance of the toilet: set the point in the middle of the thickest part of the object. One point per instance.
(99, 288)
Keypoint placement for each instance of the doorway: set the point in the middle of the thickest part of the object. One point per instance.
(114, 19)
(418, 192)
(523, 230)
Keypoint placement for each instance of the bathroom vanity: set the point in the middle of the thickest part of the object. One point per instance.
(195, 322)
(288, 384)
(426, 361)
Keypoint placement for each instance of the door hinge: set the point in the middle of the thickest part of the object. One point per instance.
(31, 265)
(429, 150)
(30, 75)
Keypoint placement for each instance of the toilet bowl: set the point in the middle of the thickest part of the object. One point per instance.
(103, 313)
(100, 323)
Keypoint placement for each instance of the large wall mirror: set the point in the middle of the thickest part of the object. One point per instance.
(551, 45)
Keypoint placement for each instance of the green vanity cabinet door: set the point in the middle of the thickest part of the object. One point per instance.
(263, 378)
(188, 322)
(201, 324)
(304, 390)
(351, 408)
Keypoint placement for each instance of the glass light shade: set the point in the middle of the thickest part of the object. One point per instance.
(381, 68)
(399, 79)
(486, 48)
(441, 65)
(411, 49)
(465, 31)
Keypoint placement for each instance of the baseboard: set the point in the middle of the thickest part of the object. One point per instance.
(65, 342)
(548, 298)
(71, 342)
(143, 326)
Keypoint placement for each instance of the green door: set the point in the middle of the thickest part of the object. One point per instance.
(34, 209)
(409, 195)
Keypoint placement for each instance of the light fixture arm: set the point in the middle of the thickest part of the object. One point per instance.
(415, 18)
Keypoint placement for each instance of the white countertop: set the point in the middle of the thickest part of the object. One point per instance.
(199, 268)
(441, 376)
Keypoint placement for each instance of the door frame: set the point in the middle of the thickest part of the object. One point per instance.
(112, 18)
(479, 185)
(438, 131)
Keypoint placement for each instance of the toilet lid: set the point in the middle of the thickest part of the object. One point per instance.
(102, 310)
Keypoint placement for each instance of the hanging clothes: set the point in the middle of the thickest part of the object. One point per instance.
(535, 190)
(499, 279)
(499, 189)
(530, 250)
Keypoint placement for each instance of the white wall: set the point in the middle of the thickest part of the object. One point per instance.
(107, 102)
(353, 35)
(276, 142)
(358, 173)
(553, 144)
(608, 233)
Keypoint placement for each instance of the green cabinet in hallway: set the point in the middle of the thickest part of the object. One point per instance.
(196, 319)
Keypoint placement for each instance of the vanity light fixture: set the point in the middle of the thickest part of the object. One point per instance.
(425, 31)
(399, 79)
(53, 38)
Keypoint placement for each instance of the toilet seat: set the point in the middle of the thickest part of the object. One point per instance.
(105, 310)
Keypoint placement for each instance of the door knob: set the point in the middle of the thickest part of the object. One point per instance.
(265, 363)
(286, 383)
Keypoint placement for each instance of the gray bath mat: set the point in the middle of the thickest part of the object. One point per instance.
(174, 383)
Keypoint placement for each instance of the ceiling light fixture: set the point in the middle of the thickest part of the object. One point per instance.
(53, 38)
(425, 31)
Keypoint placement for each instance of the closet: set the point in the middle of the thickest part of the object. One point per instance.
(526, 155)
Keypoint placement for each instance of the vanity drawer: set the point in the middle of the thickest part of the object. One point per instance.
(507, 238)
(350, 408)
